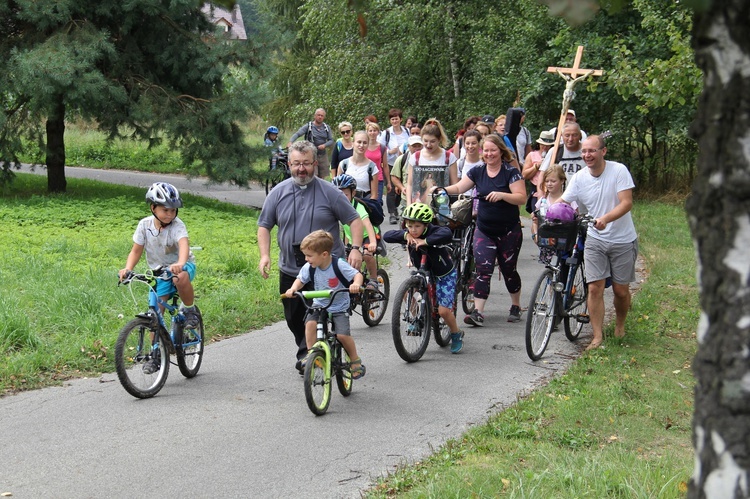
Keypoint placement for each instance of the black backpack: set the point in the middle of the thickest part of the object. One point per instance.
(374, 210)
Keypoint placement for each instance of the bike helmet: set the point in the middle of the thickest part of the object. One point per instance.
(164, 194)
(344, 181)
(562, 212)
(272, 129)
(418, 212)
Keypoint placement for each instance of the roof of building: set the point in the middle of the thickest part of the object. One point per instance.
(231, 20)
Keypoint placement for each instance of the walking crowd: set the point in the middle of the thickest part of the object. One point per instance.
(403, 166)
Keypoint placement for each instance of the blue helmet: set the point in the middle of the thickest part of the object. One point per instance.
(272, 129)
(344, 181)
(164, 194)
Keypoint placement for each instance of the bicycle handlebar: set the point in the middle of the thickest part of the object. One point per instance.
(319, 293)
(162, 273)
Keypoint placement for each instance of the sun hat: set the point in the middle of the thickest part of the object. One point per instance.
(415, 139)
(546, 138)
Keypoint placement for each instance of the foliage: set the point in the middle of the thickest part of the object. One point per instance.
(153, 66)
(60, 308)
(455, 59)
(617, 424)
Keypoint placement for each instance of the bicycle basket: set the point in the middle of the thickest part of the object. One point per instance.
(461, 212)
(560, 236)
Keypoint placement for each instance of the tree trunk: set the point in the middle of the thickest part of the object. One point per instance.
(56, 148)
(452, 54)
(719, 214)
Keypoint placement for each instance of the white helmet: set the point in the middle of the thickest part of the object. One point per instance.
(164, 194)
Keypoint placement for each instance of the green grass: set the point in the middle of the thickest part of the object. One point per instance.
(60, 306)
(617, 424)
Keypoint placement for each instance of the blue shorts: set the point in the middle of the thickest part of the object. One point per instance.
(446, 289)
(167, 288)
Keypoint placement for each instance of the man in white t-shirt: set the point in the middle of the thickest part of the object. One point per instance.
(605, 190)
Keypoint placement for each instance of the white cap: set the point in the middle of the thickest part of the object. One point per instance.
(415, 139)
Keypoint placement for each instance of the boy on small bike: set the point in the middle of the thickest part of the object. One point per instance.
(317, 247)
(348, 185)
(420, 234)
(164, 238)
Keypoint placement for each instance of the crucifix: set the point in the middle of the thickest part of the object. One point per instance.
(571, 76)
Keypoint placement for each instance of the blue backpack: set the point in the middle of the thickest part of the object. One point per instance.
(374, 210)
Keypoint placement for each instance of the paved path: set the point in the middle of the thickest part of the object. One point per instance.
(241, 428)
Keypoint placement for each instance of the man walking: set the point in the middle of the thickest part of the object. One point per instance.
(298, 206)
(319, 133)
(569, 154)
(605, 190)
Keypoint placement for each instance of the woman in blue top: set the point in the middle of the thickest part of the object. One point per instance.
(498, 237)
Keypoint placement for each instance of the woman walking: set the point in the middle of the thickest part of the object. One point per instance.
(343, 147)
(361, 167)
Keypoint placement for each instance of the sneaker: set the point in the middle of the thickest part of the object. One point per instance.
(475, 319)
(192, 317)
(299, 367)
(457, 342)
(393, 220)
(152, 365)
(372, 285)
(515, 314)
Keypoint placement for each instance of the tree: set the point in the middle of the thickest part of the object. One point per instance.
(719, 214)
(148, 69)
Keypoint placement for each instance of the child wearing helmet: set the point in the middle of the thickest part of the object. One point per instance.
(164, 238)
(271, 137)
(422, 235)
(348, 185)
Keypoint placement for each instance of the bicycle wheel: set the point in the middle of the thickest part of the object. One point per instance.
(411, 319)
(467, 286)
(138, 346)
(317, 387)
(441, 331)
(343, 374)
(541, 316)
(577, 306)
(374, 308)
(189, 349)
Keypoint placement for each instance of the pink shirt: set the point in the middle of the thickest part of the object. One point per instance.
(376, 157)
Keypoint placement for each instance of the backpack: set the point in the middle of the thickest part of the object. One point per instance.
(309, 134)
(374, 210)
(447, 157)
(336, 270)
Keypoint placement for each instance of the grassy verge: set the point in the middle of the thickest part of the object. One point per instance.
(617, 424)
(60, 307)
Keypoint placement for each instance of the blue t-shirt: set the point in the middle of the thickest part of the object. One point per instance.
(326, 278)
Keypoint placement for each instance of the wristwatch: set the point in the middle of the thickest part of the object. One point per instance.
(355, 247)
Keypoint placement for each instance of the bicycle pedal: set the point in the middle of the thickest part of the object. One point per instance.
(583, 318)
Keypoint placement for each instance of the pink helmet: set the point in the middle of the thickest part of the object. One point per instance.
(561, 211)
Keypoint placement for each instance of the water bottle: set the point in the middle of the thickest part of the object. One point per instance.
(443, 205)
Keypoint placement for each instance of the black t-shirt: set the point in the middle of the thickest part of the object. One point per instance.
(495, 219)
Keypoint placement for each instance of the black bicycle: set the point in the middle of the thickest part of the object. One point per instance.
(561, 292)
(278, 168)
(373, 302)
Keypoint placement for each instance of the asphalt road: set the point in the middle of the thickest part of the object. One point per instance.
(241, 428)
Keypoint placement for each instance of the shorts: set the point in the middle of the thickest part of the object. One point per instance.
(615, 260)
(167, 288)
(340, 321)
(446, 289)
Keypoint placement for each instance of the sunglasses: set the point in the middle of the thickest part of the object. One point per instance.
(345, 132)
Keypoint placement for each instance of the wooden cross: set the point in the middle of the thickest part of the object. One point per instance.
(571, 76)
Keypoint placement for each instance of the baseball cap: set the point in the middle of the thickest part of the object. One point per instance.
(488, 118)
(570, 111)
(415, 139)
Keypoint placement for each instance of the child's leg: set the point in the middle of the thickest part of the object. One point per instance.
(372, 266)
(311, 333)
(348, 343)
(449, 318)
(184, 285)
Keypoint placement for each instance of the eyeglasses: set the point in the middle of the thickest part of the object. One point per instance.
(344, 132)
(590, 151)
(297, 164)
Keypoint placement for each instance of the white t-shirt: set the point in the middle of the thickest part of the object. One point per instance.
(394, 140)
(362, 174)
(598, 195)
(467, 165)
(571, 162)
(161, 247)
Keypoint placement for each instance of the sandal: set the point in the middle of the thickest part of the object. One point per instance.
(357, 372)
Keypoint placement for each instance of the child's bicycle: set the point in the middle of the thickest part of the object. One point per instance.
(145, 343)
(415, 313)
(327, 357)
(561, 293)
(374, 303)
(278, 168)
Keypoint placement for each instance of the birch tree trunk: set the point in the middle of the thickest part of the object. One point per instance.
(719, 214)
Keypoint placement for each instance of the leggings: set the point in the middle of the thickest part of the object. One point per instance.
(505, 250)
